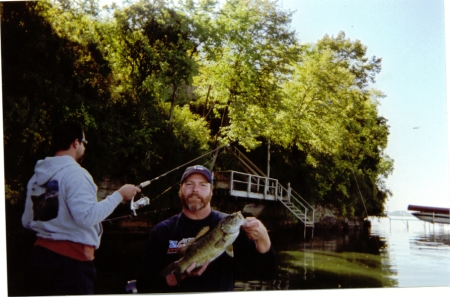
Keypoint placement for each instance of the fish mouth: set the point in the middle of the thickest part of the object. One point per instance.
(239, 215)
(233, 222)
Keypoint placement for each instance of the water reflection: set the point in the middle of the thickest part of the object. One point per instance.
(425, 243)
(397, 254)
(418, 252)
(325, 269)
(330, 260)
(431, 238)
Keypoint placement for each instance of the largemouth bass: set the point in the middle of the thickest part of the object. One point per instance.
(208, 244)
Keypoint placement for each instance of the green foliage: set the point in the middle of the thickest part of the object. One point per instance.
(70, 65)
(242, 79)
(190, 129)
(47, 78)
(351, 55)
(333, 119)
(329, 131)
(156, 84)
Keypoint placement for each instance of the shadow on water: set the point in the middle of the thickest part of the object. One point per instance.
(331, 259)
(385, 256)
(326, 270)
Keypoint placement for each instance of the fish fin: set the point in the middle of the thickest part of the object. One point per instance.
(202, 232)
(229, 250)
(222, 241)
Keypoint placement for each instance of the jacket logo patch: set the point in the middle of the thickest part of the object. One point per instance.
(45, 201)
(175, 246)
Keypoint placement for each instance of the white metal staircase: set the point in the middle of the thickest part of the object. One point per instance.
(255, 184)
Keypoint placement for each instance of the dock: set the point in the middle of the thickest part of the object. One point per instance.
(250, 186)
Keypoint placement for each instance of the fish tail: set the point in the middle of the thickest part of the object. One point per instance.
(175, 269)
(171, 268)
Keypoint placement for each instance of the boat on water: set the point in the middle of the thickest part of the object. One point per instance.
(438, 215)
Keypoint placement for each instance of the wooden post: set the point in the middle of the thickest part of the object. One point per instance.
(276, 190)
(231, 181)
(289, 193)
(266, 188)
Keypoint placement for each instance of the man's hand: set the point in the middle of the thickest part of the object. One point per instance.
(257, 231)
(172, 281)
(128, 191)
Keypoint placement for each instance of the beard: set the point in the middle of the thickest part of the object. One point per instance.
(195, 202)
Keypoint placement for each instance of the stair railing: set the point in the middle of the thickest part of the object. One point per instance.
(287, 196)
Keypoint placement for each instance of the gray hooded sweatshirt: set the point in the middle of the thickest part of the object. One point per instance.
(62, 202)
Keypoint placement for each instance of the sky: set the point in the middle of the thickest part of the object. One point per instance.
(409, 36)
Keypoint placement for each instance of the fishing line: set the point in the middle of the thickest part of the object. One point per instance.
(364, 204)
(147, 212)
(362, 199)
(134, 212)
(146, 183)
(132, 216)
(144, 201)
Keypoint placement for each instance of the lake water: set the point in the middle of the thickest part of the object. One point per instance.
(401, 252)
(417, 256)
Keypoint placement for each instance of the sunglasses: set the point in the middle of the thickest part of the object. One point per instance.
(84, 141)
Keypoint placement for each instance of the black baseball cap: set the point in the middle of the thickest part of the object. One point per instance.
(197, 169)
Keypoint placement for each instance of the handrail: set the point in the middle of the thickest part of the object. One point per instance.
(263, 187)
(246, 161)
(302, 198)
(291, 198)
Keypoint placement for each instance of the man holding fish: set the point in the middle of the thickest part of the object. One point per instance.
(196, 250)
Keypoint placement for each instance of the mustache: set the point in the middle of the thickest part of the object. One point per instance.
(194, 195)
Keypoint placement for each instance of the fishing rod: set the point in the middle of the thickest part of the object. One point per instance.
(146, 201)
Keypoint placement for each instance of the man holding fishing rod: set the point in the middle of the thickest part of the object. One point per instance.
(200, 234)
(62, 208)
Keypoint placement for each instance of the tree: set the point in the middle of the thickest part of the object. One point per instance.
(352, 55)
(240, 75)
(72, 67)
(150, 48)
(157, 84)
(60, 76)
(331, 117)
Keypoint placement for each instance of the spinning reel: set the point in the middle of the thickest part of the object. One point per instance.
(143, 201)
